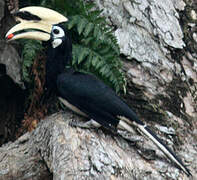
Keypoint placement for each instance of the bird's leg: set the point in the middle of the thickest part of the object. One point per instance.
(128, 135)
(89, 124)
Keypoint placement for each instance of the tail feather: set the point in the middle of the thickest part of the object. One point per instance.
(158, 142)
(164, 148)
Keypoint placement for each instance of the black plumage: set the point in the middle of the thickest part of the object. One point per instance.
(94, 98)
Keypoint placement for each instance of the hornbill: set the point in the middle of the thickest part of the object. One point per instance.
(81, 92)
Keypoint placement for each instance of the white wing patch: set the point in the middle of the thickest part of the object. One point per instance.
(71, 107)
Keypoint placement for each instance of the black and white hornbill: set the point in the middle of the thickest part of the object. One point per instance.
(81, 92)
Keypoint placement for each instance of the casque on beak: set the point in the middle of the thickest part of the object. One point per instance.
(35, 23)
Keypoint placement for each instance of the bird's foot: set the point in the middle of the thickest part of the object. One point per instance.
(130, 137)
(88, 125)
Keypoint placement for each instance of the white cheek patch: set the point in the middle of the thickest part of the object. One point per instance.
(56, 42)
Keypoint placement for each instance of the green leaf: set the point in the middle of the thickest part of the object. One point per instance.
(95, 60)
(82, 55)
(104, 50)
(100, 20)
(87, 41)
(97, 32)
(73, 21)
(81, 25)
(89, 6)
(95, 14)
(88, 29)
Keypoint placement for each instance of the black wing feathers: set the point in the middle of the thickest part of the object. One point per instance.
(94, 98)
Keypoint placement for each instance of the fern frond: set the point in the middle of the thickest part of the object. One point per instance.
(92, 61)
(95, 48)
(29, 52)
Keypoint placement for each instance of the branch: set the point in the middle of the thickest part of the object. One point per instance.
(69, 152)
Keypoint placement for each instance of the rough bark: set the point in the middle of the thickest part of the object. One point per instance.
(160, 61)
(8, 53)
(11, 95)
(158, 44)
(75, 153)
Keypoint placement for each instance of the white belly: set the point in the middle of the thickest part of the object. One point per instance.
(71, 107)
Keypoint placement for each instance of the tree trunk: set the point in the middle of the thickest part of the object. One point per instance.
(74, 153)
(158, 46)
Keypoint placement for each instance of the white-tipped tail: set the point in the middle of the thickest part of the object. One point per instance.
(125, 124)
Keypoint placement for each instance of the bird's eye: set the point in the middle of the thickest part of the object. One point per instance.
(56, 31)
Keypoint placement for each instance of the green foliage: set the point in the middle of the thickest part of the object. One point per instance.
(30, 50)
(95, 48)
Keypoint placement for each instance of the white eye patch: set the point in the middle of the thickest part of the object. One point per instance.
(56, 42)
(57, 32)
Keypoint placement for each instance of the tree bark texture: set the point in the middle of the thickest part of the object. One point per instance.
(75, 153)
(8, 53)
(158, 44)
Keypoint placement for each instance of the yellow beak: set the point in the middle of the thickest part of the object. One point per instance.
(35, 23)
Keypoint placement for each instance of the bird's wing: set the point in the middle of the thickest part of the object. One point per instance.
(92, 97)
